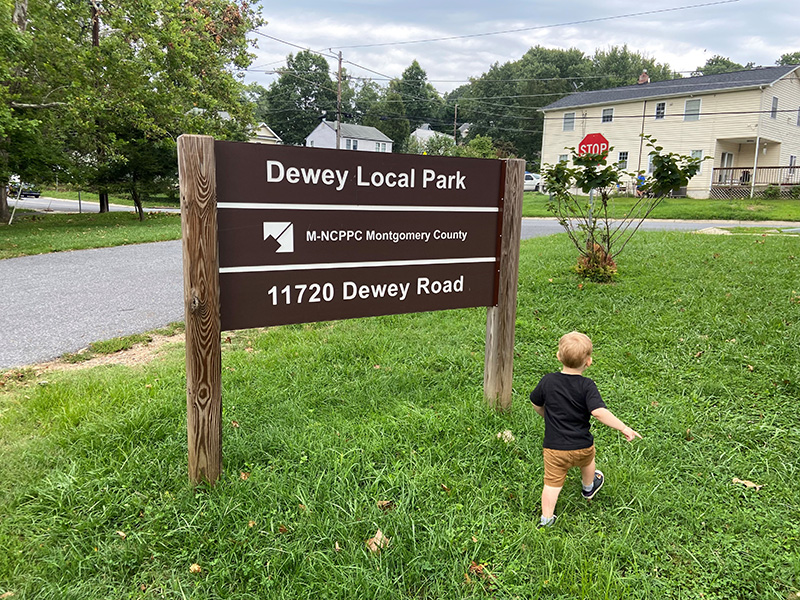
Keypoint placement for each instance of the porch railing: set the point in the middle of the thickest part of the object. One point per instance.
(737, 182)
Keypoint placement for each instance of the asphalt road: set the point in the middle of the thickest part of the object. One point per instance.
(57, 205)
(57, 303)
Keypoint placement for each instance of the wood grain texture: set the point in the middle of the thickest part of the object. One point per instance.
(501, 319)
(197, 173)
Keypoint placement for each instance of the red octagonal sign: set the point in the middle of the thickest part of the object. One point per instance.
(593, 143)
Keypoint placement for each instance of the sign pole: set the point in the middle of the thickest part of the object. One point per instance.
(501, 319)
(198, 188)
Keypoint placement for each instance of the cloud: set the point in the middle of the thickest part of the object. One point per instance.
(758, 31)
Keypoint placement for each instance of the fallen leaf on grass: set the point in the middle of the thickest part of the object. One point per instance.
(506, 436)
(377, 542)
(235, 424)
(386, 505)
(479, 571)
(282, 529)
(244, 476)
(6, 595)
(699, 354)
(474, 539)
(750, 368)
(336, 547)
(122, 534)
(748, 484)
(251, 523)
(445, 488)
(689, 437)
(195, 568)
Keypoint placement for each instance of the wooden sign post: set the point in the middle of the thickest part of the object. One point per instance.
(198, 187)
(501, 319)
(269, 231)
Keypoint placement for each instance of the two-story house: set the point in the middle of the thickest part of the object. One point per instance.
(747, 121)
(351, 137)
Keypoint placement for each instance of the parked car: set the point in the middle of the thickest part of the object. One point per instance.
(533, 182)
(28, 190)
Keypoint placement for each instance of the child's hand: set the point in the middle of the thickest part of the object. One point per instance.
(630, 434)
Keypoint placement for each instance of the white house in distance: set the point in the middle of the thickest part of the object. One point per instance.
(264, 134)
(747, 121)
(353, 137)
(424, 132)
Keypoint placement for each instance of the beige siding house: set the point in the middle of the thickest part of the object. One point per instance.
(748, 122)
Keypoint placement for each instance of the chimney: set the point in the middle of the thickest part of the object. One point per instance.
(644, 78)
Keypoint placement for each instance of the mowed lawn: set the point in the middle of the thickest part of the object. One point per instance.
(333, 431)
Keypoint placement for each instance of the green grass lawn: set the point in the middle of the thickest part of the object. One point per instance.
(695, 347)
(36, 233)
(757, 209)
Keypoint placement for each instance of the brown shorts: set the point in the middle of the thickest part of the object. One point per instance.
(558, 462)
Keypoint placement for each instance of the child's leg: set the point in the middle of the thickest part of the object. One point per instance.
(587, 474)
(549, 499)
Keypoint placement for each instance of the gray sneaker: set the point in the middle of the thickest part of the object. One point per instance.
(596, 485)
(548, 524)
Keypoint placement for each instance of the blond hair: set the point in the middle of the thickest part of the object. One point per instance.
(574, 349)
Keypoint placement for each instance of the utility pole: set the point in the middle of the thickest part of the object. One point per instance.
(455, 122)
(339, 104)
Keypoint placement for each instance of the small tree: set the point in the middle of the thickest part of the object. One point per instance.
(599, 235)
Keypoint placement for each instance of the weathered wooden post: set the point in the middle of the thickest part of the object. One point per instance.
(198, 187)
(501, 319)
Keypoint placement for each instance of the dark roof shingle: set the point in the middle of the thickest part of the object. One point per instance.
(675, 87)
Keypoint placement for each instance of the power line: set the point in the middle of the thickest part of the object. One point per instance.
(536, 27)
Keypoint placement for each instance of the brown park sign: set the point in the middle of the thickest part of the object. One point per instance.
(275, 235)
(307, 234)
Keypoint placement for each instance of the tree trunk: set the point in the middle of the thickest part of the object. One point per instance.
(103, 197)
(137, 201)
(20, 17)
(5, 214)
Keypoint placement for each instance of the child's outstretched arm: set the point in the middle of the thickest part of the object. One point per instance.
(606, 417)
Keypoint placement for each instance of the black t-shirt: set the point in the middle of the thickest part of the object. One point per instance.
(568, 402)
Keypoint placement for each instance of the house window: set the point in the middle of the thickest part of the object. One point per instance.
(569, 121)
(691, 110)
(355, 144)
(622, 160)
(608, 115)
(563, 157)
(773, 114)
(347, 144)
(311, 143)
(698, 154)
(661, 110)
(798, 117)
(650, 165)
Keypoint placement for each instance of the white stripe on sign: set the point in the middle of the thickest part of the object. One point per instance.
(357, 207)
(359, 265)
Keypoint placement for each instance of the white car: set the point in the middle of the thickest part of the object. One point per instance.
(533, 182)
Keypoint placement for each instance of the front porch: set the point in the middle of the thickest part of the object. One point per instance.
(749, 182)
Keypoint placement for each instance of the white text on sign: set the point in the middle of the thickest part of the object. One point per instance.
(277, 172)
(310, 293)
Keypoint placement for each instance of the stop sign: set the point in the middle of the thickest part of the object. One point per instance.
(593, 143)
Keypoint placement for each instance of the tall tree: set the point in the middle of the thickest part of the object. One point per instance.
(421, 100)
(720, 64)
(389, 116)
(93, 74)
(619, 66)
(790, 58)
(303, 94)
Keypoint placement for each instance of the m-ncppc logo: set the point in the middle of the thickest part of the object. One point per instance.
(280, 236)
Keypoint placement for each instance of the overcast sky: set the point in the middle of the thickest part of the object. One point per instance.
(681, 33)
